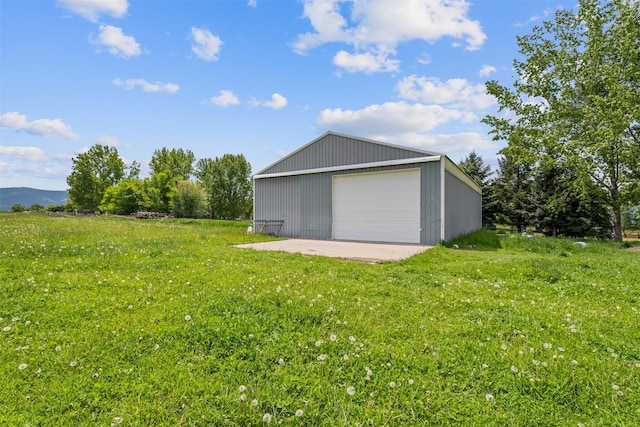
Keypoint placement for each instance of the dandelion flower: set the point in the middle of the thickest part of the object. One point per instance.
(96, 375)
(116, 421)
(351, 390)
(319, 343)
(345, 357)
(6, 328)
(243, 397)
(58, 348)
(547, 345)
(392, 384)
(241, 388)
(254, 402)
(332, 337)
(489, 397)
(72, 363)
(22, 366)
(187, 317)
(266, 418)
(322, 357)
(410, 382)
(299, 413)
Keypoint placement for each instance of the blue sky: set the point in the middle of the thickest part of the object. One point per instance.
(254, 77)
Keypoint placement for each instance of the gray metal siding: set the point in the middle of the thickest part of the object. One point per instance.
(338, 150)
(279, 199)
(430, 201)
(315, 201)
(463, 208)
(304, 202)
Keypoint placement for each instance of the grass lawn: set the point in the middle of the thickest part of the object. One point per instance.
(107, 321)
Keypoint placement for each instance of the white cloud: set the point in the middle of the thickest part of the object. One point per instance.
(277, 102)
(117, 43)
(253, 3)
(404, 124)
(458, 93)
(375, 26)
(424, 59)
(29, 154)
(146, 86)
(225, 99)
(486, 70)
(445, 143)
(41, 127)
(328, 23)
(365, 62)
(107, 140)
(92, 9)
(387, 119)
(206, 45)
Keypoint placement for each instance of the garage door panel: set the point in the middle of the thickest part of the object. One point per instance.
(382, 206)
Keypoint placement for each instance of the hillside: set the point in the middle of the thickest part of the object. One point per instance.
(30, 196)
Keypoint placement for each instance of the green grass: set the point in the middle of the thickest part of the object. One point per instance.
(165, 323)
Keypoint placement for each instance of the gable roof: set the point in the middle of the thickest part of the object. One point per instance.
(334, 149)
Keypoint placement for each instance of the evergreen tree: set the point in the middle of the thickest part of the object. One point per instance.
(512, 189)
(562, 210)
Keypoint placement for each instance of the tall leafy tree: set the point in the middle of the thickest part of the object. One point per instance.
(474, 166)
(227, 182)
(188, 200)
(178, 162)
(159, 188)
(577, 99)
(92, 173)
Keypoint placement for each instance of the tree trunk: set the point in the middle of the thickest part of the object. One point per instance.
(617, 224)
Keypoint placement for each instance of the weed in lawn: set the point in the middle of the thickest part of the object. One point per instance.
(114, 321)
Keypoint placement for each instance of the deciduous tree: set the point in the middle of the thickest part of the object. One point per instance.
(227, 182)
(188, 200)
(576, 100)
(92, 173)
(178, 162)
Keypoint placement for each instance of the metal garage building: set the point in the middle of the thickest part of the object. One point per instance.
(340, 187)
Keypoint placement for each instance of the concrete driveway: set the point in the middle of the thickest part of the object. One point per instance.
(366, 252)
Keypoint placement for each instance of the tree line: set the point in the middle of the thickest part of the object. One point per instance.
(522, 198)
(219, 188)
(571, 120)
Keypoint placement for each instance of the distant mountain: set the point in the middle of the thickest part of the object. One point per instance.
(30, 196)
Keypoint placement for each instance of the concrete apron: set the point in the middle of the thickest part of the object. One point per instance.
(366, 252)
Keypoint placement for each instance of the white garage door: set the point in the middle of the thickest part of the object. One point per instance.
(377, 207)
